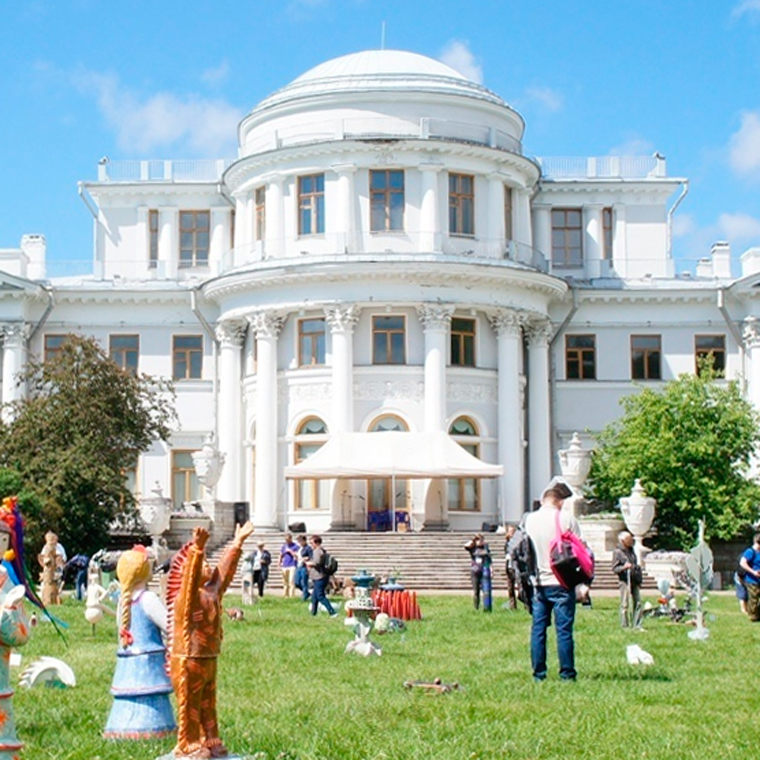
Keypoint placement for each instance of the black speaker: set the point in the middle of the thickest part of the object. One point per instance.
(489, 527)
(298, 527)
(240, 509)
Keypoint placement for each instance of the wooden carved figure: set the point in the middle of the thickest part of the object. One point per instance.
(52, 566)
(195, 593)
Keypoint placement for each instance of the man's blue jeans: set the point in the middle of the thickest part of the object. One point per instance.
(318, 596)
(302, 581)
(562, 601)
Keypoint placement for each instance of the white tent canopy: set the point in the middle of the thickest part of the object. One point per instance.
(392, 454)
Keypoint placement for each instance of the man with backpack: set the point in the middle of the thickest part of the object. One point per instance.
(319, 575)
(750, 563)
(548, 594)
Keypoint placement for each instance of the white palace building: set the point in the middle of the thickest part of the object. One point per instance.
(382, 256)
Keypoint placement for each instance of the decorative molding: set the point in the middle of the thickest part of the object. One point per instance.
(266, 324)
(539, 333)
(383, 390)
(15, 334)
(472, 393)
(343, 317)
(751, 332)
(435, 316)
(289, 392)
(230, 333)
(508, 322)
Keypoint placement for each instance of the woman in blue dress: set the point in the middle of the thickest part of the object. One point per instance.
(141, 708)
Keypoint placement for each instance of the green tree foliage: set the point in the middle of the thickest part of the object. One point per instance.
(82, 425)
(690, 443)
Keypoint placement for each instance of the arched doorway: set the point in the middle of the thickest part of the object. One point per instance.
(388, 499)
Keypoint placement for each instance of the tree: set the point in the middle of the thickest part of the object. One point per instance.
(81, 427)
(690, 443)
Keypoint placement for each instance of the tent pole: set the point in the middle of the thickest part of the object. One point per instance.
(393, 502)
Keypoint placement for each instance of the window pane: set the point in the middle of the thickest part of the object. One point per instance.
(397, 180)
(379, 348)
(573, 368)
(377, 180)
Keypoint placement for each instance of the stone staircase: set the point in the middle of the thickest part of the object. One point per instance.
(423, 561)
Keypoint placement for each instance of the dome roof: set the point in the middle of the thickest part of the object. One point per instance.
(380, 71)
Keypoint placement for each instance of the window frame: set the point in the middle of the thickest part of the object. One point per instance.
(608, 228)
(188, 353)
(120, 355)
(318, 489)
(51, 351)
(385, 195)
(389, 340)
(313, 203)
(460, 203)
(509, 205)
(459, 341)
(259, 212)
(196, 250)
(316, 349)
(566, 260)
(470, 442)
(154, 232)
(577, 355)
(647, 370)
(716, 352)
(192, 486)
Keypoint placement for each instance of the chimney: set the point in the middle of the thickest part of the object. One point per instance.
(704, 268)
(721, 260)
(35, 249)
(750, 261)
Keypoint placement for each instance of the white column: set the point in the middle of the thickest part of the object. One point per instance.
(592, 238)
(542, 230)
(266, 327)
(539, 423)
(231, 335)
(507, 325)
(522, 225)
(430, 213)
(345, 207)
(619, 244)
(751, 335)
(342, 320)
(168, 236)
(436, 321)
(495, 229)
(217, 244)
(275, 217)
(14, 342)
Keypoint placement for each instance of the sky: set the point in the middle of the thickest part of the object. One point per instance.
(83, 79)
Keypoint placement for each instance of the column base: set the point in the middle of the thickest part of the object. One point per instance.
(435, 526)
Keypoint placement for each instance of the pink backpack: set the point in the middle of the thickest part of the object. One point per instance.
(570, 559)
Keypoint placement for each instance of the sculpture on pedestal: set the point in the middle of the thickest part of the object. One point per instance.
(575, 464)
(208, 464)
(638, 513)
(363, 610)
(52, 566)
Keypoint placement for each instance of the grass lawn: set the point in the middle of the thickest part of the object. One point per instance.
(287, 691)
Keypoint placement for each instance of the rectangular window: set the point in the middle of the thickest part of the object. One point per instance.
(580, 357)
(311, 204)
(194, 229)
(259, 213)
(607, 233)
(187, 356)
(53, 345)
(185, 485)
(232, 228)
(508, 231)
(125, 351)
(646, 353)
(388, 340)
(311, 342)
(462, 342)
(464, 493)
(567, 237)
(711, 345)
(152, 239)
(461, 204)
(386, 190)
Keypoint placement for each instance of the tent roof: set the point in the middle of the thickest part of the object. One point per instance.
(392, 454)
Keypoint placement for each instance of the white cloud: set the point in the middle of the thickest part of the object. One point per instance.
(683, 225)
(745, 7)
(198, 126)
(739, 227)
(550, 99)
(457, 54)
(216, 76)
(634, 146)
(744, 145)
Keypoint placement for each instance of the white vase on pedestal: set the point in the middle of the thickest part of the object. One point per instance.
(574, 464)
(638, 513)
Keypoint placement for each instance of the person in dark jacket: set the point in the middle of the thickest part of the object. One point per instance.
(628, 570)
(480, 556)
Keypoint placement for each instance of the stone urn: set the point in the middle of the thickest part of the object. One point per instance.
(638, 513)
(155, 512)
(208, 464)
(575, 463)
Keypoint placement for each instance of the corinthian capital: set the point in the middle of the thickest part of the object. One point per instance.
(266, 324)
(751, 332)
(508, 322)
(540, 333)
(435, 316)
(343, 316)
(231, 332)
(14, 334)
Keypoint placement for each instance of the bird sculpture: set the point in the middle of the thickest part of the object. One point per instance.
(51, 671)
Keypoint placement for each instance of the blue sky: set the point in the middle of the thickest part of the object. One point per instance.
(80, 79)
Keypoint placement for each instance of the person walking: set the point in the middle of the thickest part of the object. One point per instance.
(318, 577)
(549, 596)
(261, 561)
(288, 562)
(750, 563)
(302, 571)
(480, 563)
(509, 568)
(626, 566)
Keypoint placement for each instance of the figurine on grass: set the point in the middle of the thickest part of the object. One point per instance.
(195, 592)
(141, 707)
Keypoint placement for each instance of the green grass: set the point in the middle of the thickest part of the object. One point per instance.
(287, 691)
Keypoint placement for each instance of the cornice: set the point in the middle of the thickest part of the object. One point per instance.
(653, 296)
(112, 296)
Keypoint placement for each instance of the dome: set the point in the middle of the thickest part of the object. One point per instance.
(379, 71)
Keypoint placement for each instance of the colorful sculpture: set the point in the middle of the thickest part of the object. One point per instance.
(194, 595)
(52, 567)
(141, 708)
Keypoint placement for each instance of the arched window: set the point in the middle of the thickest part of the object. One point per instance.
(387, 498)
(464, 493)
(311, 435)
(390, 422)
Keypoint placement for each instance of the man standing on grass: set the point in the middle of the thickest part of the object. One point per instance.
(319, 578)
(628, 570)
(549, 595)
(750, 562)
